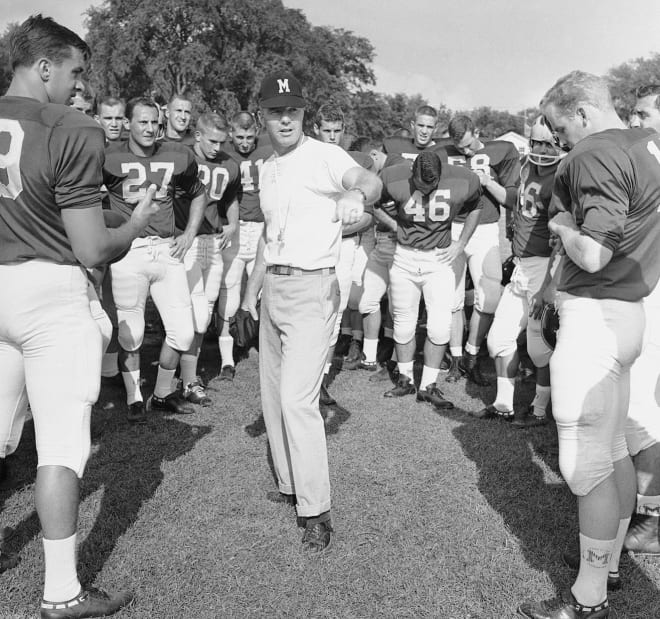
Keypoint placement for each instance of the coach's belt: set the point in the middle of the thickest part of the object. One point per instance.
(280, 269)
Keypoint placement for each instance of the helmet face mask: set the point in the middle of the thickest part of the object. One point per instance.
(544, 146)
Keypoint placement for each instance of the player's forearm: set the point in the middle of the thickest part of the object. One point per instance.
(366, 182)
(359, 226)
(232, 214)
(470, 225)
(382, 217)
(497, 191)
(197, 207)
(256, 279)
(584, 251)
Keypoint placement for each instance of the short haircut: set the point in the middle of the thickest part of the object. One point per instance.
(648, 90)
(109, 102)
(212, 120)
(330, 113)
(143, 101)
(459, 126)
(42, 37)
(578, 88)
(364, 144)
(176, 97)
(243, 120)
(426, 110)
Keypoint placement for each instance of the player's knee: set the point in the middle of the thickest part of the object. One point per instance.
(583, 474)
(181, 337)
(499, 345)
(368, 305)
(404, 330)
(105, 327)
(488, 294)
(539, 352)
(438, 328)
(130, 333)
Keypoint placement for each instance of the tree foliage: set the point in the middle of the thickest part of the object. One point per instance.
(628, 76)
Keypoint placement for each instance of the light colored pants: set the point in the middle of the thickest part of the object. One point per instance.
(204, 266)
(51, 347)
(147, 269)
(298, 313)
(377, 272)
(512, 313)
(415, 272)
(482, 257)
(643, 423)
(597, 342)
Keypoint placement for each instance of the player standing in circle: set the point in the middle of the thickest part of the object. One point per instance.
(51, 225)
(498, 167)
(110, 114)
(422, 126)
(203, 261)
(178, 114)
(424, 201)
(532, 250)
(607, 193)
(154, 263)
(249, 153)
(305, 185)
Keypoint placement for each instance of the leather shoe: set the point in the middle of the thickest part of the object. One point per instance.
(454, 374)
(563, 607)
(88, 603)
(325, 398)
(433, 395)
(469, 366)
(318, 536)
(172, 403)
(404, 386)
(643, 537)
(572, 561)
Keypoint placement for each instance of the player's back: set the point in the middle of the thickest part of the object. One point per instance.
(53, 159)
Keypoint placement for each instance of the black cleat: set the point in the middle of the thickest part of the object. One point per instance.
(433, 395)
(195, 393)
(404, 386)
(90, 603)
(136, 413)
(172, 403)
(318, 537)
(343, 344)
(490, 412)
(469, 366)
(454, 373)
(325, 398)
(563, 607)
(227, 372)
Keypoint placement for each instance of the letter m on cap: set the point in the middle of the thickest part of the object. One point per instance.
(283, 85)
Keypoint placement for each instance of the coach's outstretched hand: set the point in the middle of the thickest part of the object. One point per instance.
(350, 207)
(145, 208)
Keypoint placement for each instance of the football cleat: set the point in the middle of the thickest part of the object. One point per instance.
(643, 536)
(454, 374)
(88, 603)
(369, 366)
(325, 398)
(195, 393)
(227, 372)
(136, 413)
(490, 412)
(172, 403)
(468, 365)
(343, 344)
(404, 386)
(563, 607)
(433, 395)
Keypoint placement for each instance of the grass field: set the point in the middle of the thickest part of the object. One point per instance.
(436, 515)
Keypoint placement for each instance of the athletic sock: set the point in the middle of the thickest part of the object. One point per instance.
(188, 365)
(132, 384)
(406, 369)
(429, 376)
(61, 578)
(346, 331)
(164, 380)
(504, 398)
(226, 345)
(456, 351)
(370, 348)
(471, 349)
(541, 399)
(109, 366)
(618, 545)
(590, 587)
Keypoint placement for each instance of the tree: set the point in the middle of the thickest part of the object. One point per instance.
(5, 68)
(219, 50)
(628, 76)
(493, 123)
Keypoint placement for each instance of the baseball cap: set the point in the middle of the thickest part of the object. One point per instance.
(281, 90)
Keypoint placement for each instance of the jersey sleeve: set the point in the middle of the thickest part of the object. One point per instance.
(509, 176)
(77, 153)
(473, 200)
(602, 184)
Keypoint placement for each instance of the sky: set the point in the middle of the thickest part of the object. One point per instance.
(501, 53)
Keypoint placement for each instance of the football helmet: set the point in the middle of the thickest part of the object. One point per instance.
(550, 325)
(544, 146)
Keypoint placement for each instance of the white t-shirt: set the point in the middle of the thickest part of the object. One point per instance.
(297, 193)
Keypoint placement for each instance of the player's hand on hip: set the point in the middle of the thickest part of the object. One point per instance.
(536, 305)
(350, 207)
(249, 304)
(145, 208)
(180, 245)
(447, 255)
(226, 235)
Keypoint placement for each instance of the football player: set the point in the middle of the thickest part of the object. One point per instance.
(203, 261)
(422, 127)
(605, 213)
(51, 224)
(424, 201)
(249, 153)
(178, 114)
(329, 128)
(532, 250)
(154, 263)
(83, 101)
(498, 167)
(110, 115)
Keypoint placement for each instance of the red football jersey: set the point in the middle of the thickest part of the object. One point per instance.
(250, 167)
(501, 160)
(222, 180)
(51, 158)
(531, 236)
(127, 177)
(610, 182)
(424, 222)
(406, 147)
